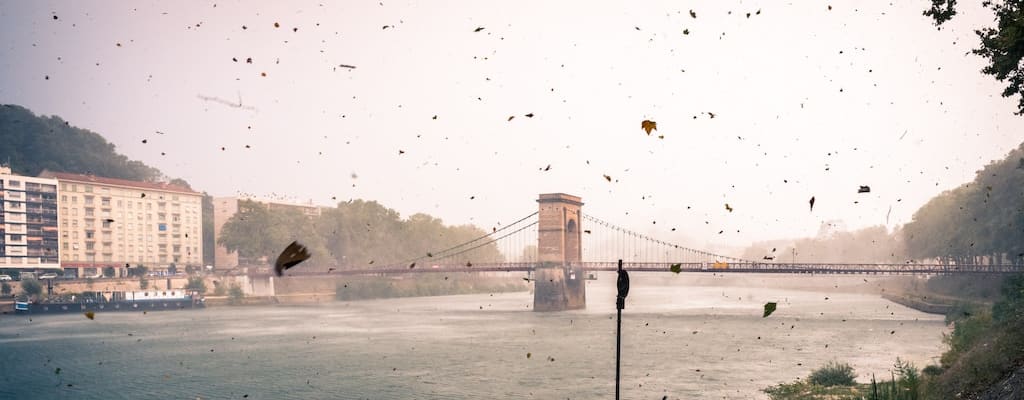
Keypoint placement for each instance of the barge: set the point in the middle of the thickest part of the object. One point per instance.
(145, 300)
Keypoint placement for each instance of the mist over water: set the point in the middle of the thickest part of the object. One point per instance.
(684, 336)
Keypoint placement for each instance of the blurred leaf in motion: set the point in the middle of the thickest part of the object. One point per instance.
(812, 203)
(292, 255)
(648, 126)
(677, 268)
(864, 189)
(769, 308)
(90, 315)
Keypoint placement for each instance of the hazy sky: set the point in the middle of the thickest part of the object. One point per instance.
(807, 101)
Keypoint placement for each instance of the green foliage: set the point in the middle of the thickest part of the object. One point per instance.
(209, 244)
(109, 272)
(34, 143)
(31, 287)
(196, 283)
(219, 289)
(1002, 45)
(833, 374)
(138, 271)
(983, 347)
(1010, 309)
(5, 288)
(235, 293)
(143, 282)
(355, 234)
(172, 269)
(982, 218)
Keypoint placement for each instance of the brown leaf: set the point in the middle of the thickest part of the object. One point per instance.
(648, 126)
(607, 178)
(90, 315)
(292, 255)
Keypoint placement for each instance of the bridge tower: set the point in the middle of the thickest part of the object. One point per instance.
(559, 280)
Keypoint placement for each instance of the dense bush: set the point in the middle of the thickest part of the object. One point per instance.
(833, 374)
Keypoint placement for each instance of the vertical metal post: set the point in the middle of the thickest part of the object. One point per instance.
(620, 303)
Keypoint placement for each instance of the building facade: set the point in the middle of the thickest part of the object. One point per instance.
(226, 207)
(28, 222)
(106, 222)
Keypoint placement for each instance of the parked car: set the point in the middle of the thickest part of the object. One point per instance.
(50, 275)
(5, 278)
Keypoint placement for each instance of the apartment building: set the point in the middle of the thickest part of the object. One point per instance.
(226, 207)
(107, 222)
(28, 222)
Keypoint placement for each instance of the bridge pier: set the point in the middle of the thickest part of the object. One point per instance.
(559, 288)
(557, 285)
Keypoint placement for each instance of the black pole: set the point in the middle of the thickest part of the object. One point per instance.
(620, 303)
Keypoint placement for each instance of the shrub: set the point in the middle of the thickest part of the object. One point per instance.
(5, 288)
(196, 283)
(109, 272)
(833, 374)
(31, 287)
(235, 293)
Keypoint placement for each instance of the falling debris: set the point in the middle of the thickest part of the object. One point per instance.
(292, 255)
(90, 315)
(728, 207)
(677, 268)
(607, 178)
(864, 189)
(648, 126)
(812, 203)
(478, 29)
(769, 308)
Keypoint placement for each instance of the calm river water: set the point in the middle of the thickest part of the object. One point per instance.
(685, 337)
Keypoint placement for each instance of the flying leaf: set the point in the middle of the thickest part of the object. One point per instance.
(413, 265)
(530, 115)
(769, 308)
(727, 207)
(693, 14)
(607, 178)
(864, 189)
(677, 268)
(648, 126)
(90, 315)
(812, 203)
(292, 255)
(478, 29)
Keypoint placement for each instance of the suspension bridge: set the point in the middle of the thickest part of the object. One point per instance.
(560, 247)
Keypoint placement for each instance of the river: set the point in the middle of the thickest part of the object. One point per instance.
(685, 336)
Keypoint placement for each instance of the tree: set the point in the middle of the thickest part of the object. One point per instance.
(196, 283)
(143, 282)
(109, 272)
(209, 243)
(31, 287)
(172, 269)
(138, 271)
(5, 289)
(254, 232)
(235, 293)
(1002, 45)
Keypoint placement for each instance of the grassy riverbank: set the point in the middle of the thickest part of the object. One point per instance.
(985, 358)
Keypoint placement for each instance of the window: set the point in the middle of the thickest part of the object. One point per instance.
(64, 198)
(105, 201)
(88, 189)
(14, 184)
(87, 200)
(89, 235)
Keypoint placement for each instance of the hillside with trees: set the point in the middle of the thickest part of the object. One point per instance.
(33, 143)
(978, 222)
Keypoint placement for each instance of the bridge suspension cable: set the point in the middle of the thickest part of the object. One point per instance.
(476, 243)
(638, 247)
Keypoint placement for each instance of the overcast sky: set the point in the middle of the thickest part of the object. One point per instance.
(807, 101)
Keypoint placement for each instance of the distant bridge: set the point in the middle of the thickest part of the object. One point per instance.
(559, 251)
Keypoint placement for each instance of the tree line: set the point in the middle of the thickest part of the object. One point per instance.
(356, 234)
(978, 222)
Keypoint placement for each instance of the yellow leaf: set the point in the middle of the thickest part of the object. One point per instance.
(90, 315)
(648, 125)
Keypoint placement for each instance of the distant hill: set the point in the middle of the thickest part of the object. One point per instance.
(33, 143)
(30, 143)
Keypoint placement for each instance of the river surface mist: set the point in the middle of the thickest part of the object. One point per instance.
(684, 336)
